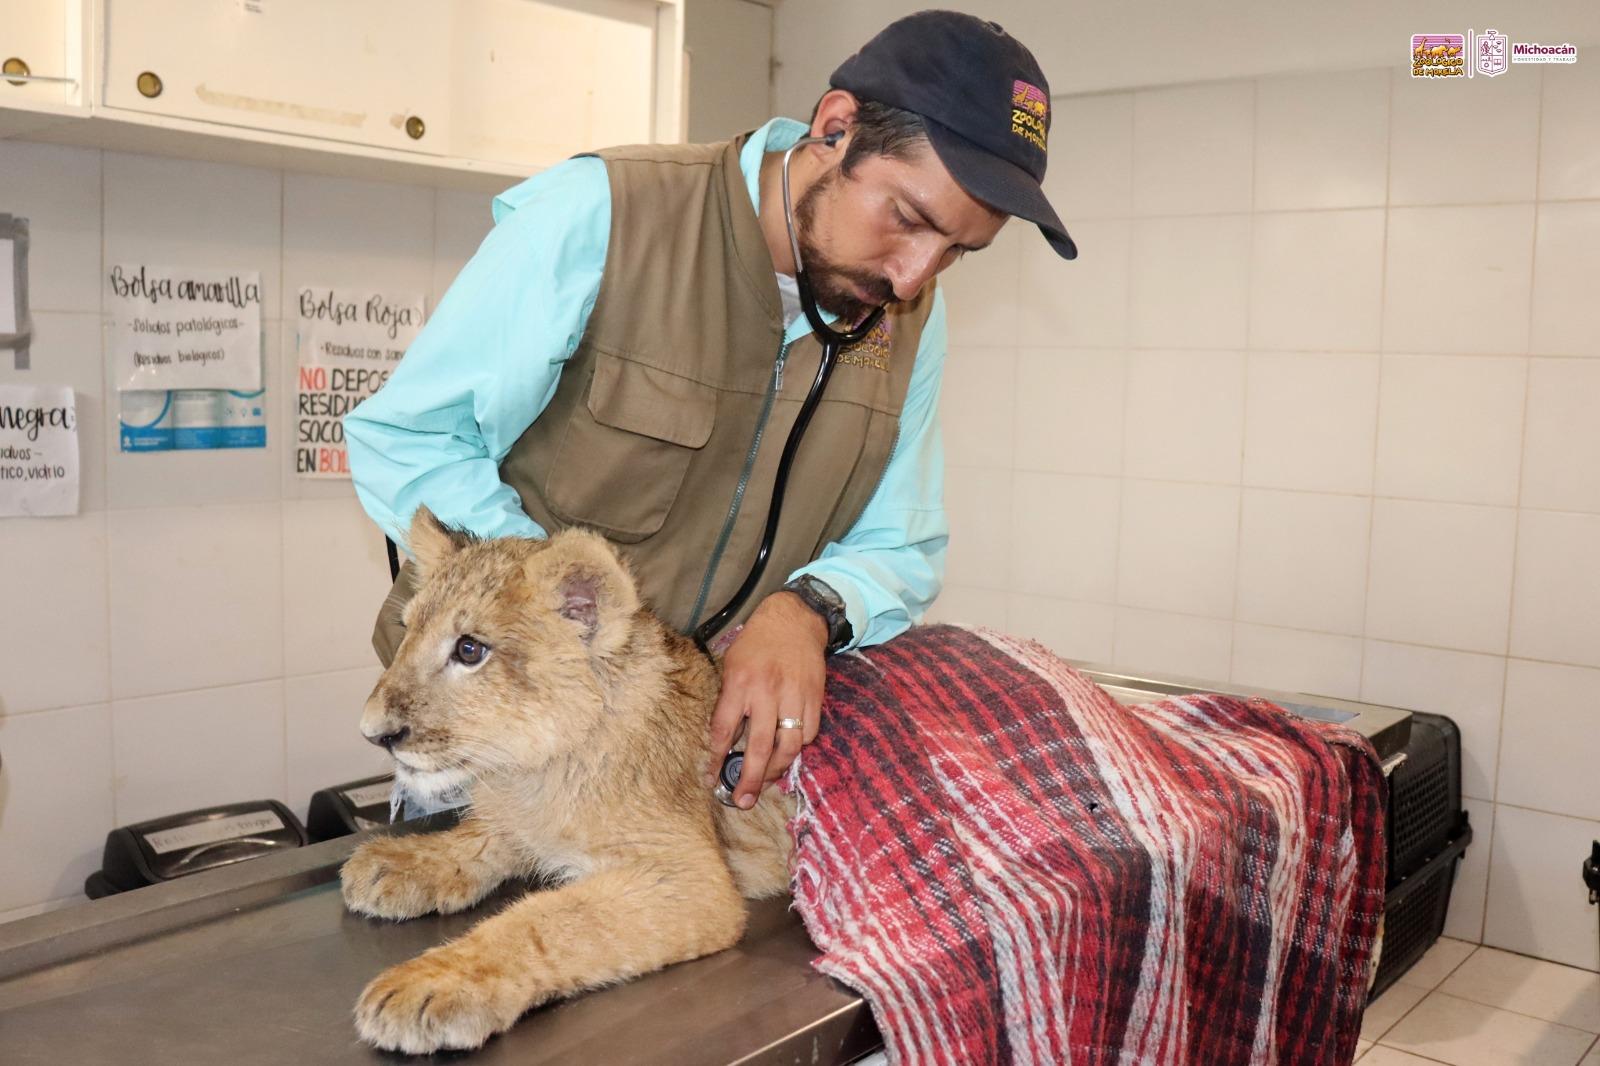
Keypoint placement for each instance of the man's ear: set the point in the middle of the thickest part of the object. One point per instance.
(590, 588)
(431, 542)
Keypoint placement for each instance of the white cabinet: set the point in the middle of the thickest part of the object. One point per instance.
(406, 89)
(344, 70)
(42, 47)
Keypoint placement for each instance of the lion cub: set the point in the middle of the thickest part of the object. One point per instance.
(531, 671)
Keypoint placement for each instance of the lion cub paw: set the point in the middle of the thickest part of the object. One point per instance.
(434, 1002)
(403, 877)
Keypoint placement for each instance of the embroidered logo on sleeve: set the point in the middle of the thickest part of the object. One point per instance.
(1030, 113)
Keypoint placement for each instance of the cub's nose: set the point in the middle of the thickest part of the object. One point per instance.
(387, 741)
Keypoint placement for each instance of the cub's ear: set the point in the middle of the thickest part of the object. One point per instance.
(432, 542)
(590, 587)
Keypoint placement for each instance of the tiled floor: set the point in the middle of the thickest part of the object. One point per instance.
(1466, 1005)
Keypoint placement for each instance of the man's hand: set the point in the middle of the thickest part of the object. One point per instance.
(775, 669)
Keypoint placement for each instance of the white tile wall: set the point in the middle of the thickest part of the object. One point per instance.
(196, 597)
(1296, 661)
(1566, 320)
(1181, 644)
(460, 222)
(335, 574)
(1191, 282)
(1440, 574)
(199, 633)
(1436, 143)
(1070, 410)
(1317, 280)
(1097, 184)
(1179, 547)
(1561, 457)
(198, 749)
(1340, 360)
(1557, 607)
(1322, 140)
(1569, 129)
(1460, 685)
(1450, 428)
(1551, 712)
(1537, 905)
(976, 402)
(1081, 631)
(55, 649)
(57, 189)
(1472, 298)
(1191, 149)
(339, 231)
(56, 788)
(1310, 421)
(1065, 535)
(1303, 560)
(1185, 416)
(322, 739)
(1082, 302)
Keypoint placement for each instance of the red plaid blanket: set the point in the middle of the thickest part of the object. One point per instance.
(1010, 866)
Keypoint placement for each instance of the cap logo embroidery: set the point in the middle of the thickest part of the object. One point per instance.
(1030, 109)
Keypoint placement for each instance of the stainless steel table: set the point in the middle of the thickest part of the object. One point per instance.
(260, 963)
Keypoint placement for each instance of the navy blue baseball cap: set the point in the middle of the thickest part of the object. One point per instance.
(983, 99)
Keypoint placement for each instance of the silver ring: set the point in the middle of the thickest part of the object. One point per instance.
(791, 723)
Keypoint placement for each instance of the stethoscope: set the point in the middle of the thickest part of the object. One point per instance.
(833, 341)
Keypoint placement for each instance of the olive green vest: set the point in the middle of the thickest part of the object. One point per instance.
(668, 421)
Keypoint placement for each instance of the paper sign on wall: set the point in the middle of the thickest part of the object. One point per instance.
(185, 329)
(350, 342)
(186, 419)
(38, 450)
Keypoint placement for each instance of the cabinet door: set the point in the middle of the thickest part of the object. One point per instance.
(44, 34)
(537, 82)
(371, 72)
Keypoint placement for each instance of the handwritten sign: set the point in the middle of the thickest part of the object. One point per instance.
(38, 450)
(185, 329)
(350, 342)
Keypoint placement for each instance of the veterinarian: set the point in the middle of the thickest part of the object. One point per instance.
(626, 351)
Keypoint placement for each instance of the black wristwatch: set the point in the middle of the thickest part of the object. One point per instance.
(820, 597)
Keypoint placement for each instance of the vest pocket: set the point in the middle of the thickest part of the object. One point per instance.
(623, 456)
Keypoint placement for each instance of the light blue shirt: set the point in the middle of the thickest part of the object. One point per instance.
(486, 365)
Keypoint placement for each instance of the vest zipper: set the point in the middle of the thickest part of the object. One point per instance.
(773, 388)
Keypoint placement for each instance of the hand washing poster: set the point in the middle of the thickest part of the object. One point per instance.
(38, 451)
(186, 351)
(350, 341)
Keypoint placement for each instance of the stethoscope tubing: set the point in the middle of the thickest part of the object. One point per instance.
(833, 342)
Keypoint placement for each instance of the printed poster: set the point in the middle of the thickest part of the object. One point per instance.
(350, 341)
(38, 451)
(185, 328)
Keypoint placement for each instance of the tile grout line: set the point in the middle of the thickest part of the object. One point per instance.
(1244, 380)
(105, 460)
(1516, 529)
(1377, 409)
(283, 510)
(1123, 361)
(1428, 994)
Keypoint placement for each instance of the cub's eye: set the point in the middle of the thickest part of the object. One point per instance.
(470, 651)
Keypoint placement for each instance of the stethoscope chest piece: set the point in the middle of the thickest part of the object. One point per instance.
(728, 778)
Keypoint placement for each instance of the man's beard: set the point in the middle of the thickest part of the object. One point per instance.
(835, 286)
